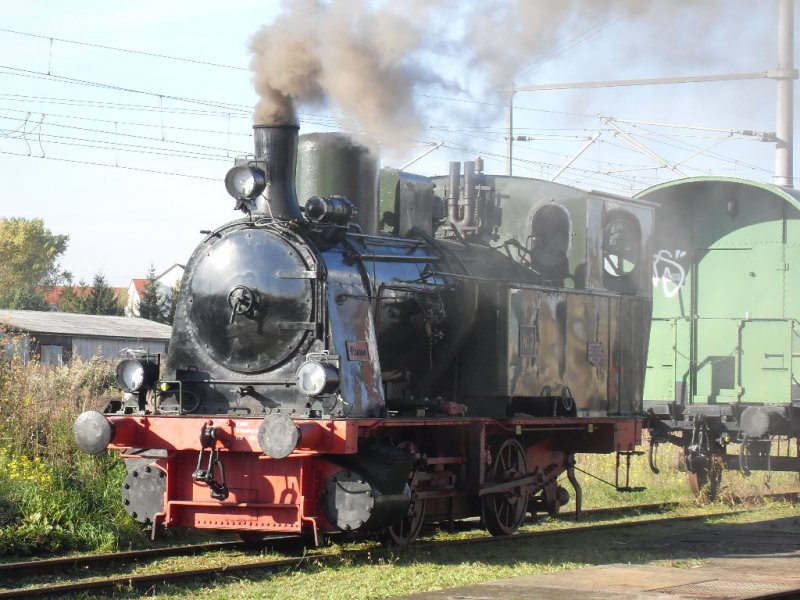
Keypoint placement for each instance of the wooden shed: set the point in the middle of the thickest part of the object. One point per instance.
(58, 337)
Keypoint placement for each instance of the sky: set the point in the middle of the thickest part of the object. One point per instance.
(119, 120)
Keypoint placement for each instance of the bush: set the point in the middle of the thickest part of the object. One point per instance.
(53, 496)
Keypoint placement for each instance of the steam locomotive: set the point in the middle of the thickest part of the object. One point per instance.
(401, 350)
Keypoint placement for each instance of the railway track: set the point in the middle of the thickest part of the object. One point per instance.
(80, 566)
(12, 570)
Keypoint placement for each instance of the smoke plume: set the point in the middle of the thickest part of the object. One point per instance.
(370, 59)
(361, 58)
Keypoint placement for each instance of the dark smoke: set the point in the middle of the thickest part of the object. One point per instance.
(370, 59)
(360, 57)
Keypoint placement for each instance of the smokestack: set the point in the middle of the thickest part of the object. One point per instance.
(276, 147)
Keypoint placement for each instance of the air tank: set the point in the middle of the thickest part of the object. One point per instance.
(337, 164)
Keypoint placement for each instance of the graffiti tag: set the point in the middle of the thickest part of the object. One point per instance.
(668, 272)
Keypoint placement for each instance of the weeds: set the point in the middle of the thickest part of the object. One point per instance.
(670, 484)
(52, 496)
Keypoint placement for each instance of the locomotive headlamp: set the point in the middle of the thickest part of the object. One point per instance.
(135, 373)
(314, 378)
(245, 182)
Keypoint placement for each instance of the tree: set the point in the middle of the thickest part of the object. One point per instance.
(29, 254)
(173, 302)
(73, 299)
(152, 306)
(24, 298)
(97, 299)
(101, 300)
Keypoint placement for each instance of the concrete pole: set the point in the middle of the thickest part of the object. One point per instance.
(510, 131)
(784, 125)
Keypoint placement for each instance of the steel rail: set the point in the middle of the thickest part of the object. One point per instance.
(141, 581)
(75, 562)
(7, 570)
(42, 566)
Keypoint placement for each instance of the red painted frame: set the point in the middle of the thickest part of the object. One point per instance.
(283, 496)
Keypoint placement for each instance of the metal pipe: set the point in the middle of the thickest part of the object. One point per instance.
(470, 192)
(633, 82)
(510, 132)
(784, 121)
(575, 486)
(455, 192)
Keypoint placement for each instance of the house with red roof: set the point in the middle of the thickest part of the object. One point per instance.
(165, 282)
(53, 294)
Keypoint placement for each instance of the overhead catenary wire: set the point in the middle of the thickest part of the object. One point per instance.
(125, 50)
(248, 134)
(686, 146)
(98, 164)
(539, 165)
(238, 111)
(128, 135)
(593, 31)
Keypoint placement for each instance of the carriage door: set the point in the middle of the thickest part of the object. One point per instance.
(662, 382)
(742, 344)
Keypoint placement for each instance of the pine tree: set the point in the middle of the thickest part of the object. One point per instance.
(74, 299)
(173, 302)
(101, 300)
(152, 306)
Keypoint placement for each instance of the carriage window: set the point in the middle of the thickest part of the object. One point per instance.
(621, 250)
(550, 240)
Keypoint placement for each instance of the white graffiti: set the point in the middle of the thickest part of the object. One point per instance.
(669, 273)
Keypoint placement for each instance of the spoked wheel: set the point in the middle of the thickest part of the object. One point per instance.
(407, 529)
(706, 478)
(504, 512)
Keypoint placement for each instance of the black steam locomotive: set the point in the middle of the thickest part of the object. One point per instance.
(400, 350)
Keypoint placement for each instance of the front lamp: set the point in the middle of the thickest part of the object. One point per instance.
(314, 378)
(134, 374)
(245, 182)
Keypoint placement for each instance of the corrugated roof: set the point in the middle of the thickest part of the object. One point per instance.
(61, 323)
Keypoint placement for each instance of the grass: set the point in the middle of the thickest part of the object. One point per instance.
(392, 573)
(670, 484)
(52, 496)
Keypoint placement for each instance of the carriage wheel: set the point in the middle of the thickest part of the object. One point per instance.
(706, 479)
(407, 529)
(504, 512)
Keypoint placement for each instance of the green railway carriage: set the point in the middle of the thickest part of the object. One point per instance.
(724, 357)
